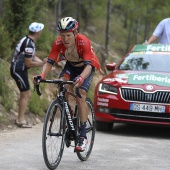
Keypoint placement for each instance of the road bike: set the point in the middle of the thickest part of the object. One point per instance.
(62, 125)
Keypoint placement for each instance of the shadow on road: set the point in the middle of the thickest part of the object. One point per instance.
(136, 130)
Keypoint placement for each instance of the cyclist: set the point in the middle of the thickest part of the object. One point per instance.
(24, 58)
(80, 66)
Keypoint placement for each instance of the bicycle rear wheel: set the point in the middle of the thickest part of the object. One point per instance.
(90, 132)
(53, 135)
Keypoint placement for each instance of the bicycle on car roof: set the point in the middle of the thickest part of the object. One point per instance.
(62, 127)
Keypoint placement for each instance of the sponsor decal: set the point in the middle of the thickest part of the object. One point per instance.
(138, 49)
(81, 42)
(145, 78)
(29, 50)
(115, 79)
(102, 101)
(158, 48)
(163, 53)
(122, 76)
(109, 79)
(150, 52)
(69, 116)
(58, 42)
(140, 52)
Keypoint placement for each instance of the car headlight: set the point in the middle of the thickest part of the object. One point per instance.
(105, 88)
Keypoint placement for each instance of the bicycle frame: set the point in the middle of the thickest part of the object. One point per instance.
(67, 110)
(63, 101)
(65, 128)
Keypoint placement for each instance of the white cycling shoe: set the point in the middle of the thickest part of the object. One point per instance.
(81, 146)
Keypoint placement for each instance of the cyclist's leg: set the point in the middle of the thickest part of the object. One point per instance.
(90, 132)
(83, 114)
(81, 102)
(83, 111)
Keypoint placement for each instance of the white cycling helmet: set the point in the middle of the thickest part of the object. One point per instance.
(67, 24)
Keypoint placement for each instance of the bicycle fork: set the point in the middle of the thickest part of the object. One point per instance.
(51, 124)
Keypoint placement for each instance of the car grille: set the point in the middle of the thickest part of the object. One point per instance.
(141, 96)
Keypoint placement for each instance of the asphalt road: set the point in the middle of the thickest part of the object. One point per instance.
(127, 147)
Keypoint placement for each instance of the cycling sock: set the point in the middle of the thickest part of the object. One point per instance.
(83, 130)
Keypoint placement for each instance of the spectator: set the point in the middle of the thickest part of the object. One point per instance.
(161, 33)
(24, 58)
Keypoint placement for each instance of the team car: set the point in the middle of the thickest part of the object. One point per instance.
(137, 90)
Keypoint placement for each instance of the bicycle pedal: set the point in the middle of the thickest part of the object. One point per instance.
(75, 151)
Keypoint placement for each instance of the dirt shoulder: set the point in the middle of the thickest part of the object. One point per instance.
(7, 122)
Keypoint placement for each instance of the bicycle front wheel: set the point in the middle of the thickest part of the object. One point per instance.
(53, 135)
(90, 132)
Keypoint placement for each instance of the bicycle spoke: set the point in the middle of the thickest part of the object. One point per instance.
(90, 132)
(53, 136)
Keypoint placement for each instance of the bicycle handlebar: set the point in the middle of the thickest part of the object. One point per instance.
(56, 81)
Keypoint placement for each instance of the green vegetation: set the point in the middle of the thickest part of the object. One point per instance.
(5, 52)
(6, 92)
(18, 14)
(2, 118)
(38, 105)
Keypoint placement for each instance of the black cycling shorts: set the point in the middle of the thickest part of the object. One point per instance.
(70, 72)
(21, 79)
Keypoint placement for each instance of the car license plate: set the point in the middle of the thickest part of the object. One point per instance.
(147, 108)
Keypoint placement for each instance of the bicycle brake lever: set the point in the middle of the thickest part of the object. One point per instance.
(38, 90)
(36, 86)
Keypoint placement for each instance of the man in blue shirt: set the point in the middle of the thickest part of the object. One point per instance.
(161, 33)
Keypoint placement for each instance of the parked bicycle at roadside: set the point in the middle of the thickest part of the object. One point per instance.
(62, 127)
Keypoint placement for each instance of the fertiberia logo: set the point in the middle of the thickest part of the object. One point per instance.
(158, 79)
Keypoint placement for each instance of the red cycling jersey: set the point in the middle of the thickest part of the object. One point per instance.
(84, 50)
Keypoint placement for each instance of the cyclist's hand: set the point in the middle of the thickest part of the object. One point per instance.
(37, 79)
(146, 42)
(78, 81)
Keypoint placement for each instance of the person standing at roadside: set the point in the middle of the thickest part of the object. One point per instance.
(24, 58)
(161, 33)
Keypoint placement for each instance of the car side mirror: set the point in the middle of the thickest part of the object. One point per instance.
(111, 66)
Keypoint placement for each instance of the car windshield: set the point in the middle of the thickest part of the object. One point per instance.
(149, 62)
